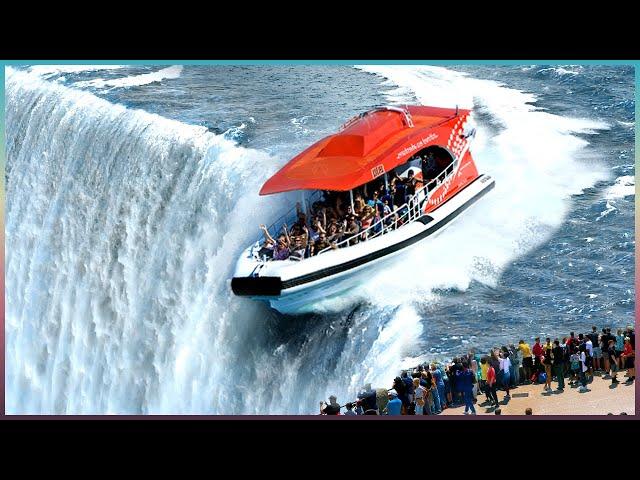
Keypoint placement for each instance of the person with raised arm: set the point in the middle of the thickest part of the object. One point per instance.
(299, 245)
(266, 251)
(315, 229)
(281, 250)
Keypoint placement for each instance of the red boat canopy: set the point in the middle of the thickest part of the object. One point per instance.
(367, 146)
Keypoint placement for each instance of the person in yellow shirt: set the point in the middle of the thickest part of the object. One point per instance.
(484, 366)
(548, 346)
(483, 370)
(527, 360)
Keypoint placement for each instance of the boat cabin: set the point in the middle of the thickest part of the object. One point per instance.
(372, 177)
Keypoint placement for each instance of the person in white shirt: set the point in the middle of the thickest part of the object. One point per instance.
(505, 368)
(583, 369)
(589, 346)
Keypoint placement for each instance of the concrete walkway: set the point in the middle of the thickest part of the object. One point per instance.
(601, 399)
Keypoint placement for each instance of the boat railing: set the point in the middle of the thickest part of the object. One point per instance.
(439, 180)
(404, 214)
(408, 211)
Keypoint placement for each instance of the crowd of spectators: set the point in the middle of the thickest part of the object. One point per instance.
(430, 388)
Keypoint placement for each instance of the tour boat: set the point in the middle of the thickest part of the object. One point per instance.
(368, 151)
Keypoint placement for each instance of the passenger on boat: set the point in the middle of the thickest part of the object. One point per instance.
(359, 205)
(350, 217)
(367, 219)
(387, 211)
(399, 192)
(429, 166)
(281, 250)
(388, 196)
(374, 200)
(298, 240)
(299, 249)
(321, 244)
(267, 247)
(289, 233)
(352, 229)
(377, 221)
(410, 183)
(334, 231)
(316, 229)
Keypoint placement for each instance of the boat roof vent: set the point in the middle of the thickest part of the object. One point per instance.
(405, 112)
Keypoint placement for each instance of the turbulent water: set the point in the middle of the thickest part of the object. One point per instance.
(131, 191)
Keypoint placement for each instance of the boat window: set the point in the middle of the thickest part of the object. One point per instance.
(433, 161)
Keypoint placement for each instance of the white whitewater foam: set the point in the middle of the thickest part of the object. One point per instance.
(50, 71)
(624, 186)
(390, 352)
(299, 125)
(609, 207)
(561, 70)
(234, 133)
(135, 80)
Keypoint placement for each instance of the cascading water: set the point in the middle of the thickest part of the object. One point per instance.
(121, 231)
(122, 228)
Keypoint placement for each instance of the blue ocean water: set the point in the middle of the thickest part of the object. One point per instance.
(131, 190)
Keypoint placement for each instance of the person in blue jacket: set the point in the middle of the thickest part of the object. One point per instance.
(439, 377)
(394, 407)
(408, 383)
(464, 381)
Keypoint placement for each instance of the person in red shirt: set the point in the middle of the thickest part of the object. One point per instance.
(537, 353)
(491, 385)
(629, 357)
